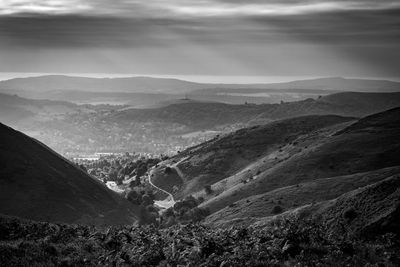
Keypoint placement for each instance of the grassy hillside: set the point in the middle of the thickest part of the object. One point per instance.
(363, 146)
(224, 156)
(367, 211)
(294, 154)
(36, 183)
(249, 210)
(374, 209)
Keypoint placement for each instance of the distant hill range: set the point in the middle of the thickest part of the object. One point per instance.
(205, 115)
(66, 126)
(293, 163)
(199, 114)
(174, 86)
(145, 92)
(36, 183)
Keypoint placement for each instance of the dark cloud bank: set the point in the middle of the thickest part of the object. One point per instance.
(362, 41)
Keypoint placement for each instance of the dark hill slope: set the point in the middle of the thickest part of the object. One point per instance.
(36, 183)
(369, 144)
(221, 157)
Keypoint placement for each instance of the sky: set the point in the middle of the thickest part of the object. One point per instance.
(347, 38)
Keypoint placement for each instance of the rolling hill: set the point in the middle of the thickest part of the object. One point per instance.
(367, 211)
(70, 83)
(363, 146)
(169, 126)
(205, 115)
(15, 109)
(287, 163)
(254, 209)
(224, 156)
(38, 184)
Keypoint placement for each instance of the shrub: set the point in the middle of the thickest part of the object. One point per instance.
(168, 170)
(287, 242)
(197, 214)
(277, 209)
(207, 189)
(151, 208)
(350, 214)
(147, 200)
(134, 197)
(169, 212)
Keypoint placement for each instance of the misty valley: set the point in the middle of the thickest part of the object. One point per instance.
(305, 173)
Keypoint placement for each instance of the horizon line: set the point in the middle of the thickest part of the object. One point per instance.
(196, 78)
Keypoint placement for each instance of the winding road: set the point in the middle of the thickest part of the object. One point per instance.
(169, 201)
(166, 203)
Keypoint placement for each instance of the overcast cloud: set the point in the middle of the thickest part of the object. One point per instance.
(220, 37)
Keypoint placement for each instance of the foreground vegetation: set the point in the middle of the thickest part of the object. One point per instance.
(283, 243)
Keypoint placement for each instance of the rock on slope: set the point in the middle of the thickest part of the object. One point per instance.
(37, 183)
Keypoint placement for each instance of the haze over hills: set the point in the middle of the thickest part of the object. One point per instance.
(38, 184)
(16, 109)
(168, 126)
(68, 83)
(142, 91)
(207, 114)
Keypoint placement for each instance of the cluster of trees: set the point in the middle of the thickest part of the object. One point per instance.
(119, 168)
(140, 197)
(184, 211)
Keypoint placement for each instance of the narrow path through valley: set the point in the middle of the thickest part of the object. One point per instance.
(166, 203)
(169, 201)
